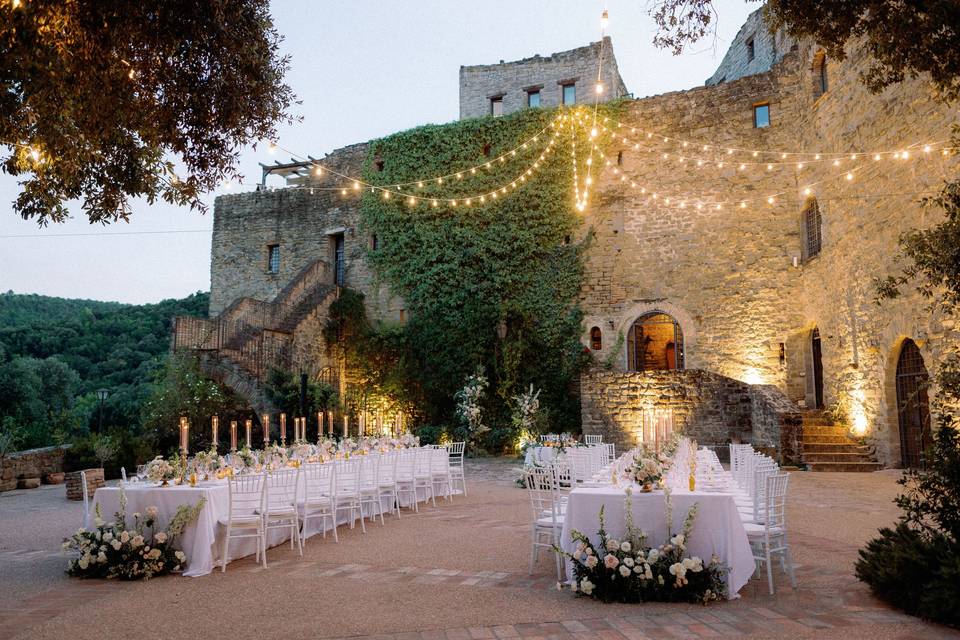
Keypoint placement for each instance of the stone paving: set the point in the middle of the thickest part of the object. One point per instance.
(484, 574)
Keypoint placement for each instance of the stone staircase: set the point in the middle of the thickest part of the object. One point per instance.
(250, 336)
(827, 447)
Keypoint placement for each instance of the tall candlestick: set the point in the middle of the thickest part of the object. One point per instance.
(233, 435)
(283, 428)
(345, 426)
(184, 434)
(249, 425)
(330, 423)
(214, 428)
(363, 425)
(319, 426)
(266, 430)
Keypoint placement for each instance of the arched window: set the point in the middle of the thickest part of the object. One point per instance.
(655, 343)
(811, 228)
(596, 339)
(819, 71)
(913, 405)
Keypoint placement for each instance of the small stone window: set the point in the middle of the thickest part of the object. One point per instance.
(596, 339)
(761, 115)
(273, 258)
(566, 239)
(751, 49)
(569, 93)
(339, 259)
(819, 70)
(812, 224)
(486, 150)
(619, 158)
(378, 164)
(403, 315)
(374, 242)
(533, 98)
(496, 106)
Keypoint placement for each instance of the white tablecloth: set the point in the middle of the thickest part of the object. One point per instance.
(716, 530)
(540, 455)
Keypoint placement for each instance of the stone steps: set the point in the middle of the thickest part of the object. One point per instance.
(828, 447)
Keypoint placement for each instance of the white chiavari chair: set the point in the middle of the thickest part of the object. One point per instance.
(348, 490)
(319, 499)
(591, 439)
(243, 518)
(457, 475)
(770, 538)
(387, 481)
(280, 504)
(547, 519)
(370, 488)
(422, 476)
(611, 452)
(406, 479)
(440, 472)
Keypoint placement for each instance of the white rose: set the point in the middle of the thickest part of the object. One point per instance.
(612, 545)
(107, 537)
(137, 541)
(101, 557)
(125, 537)
(586, 586)
(154, 554)
(82, 563)
(591, 562)
(116, 545)
(152, 512)
(625, 547)
(181, 556)
(160, 538)
(652, 556)
(628, 562)
(624, 570)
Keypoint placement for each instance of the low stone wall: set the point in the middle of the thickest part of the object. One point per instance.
(707, 406)
(30, 467)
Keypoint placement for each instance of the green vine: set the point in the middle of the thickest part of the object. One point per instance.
(467, 272)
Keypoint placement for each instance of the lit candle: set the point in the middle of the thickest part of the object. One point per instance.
(233, 435)
(249, 425)
(319, 426)
(266, 430)
(283, 428)
(363, 425)
(184, 434)
(330, 422)
(214, 428)
(345, 427)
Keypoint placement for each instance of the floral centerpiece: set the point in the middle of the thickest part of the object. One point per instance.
(275, 457)
(646, 471)
(629, 570)
(244, 460)
(303, 452)
(141, 551)
(161, 471)
(207, 462)
(408, 441)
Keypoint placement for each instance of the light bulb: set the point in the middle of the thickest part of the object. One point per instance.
(849, 176)
(599, 88)
(272, 147)
(356, 185)
(770, 200)
(593, 132)
(318, 171)
(604, 20)
(35, 154)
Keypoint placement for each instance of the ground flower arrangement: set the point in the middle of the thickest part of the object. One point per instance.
(116, 550)
(629, 570)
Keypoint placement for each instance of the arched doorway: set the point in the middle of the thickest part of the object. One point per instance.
(815, 350)
(913, 408)
(654, 343)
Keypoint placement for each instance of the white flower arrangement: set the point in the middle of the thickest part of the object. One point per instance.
(468, 405)
(160, 470)
(117, 550)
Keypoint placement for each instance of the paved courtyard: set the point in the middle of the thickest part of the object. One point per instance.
(458, 571)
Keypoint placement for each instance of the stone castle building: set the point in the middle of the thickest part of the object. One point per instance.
(737, 290)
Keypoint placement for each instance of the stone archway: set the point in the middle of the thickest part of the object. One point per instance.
(912, 404)
(655, 343)
(685, 327)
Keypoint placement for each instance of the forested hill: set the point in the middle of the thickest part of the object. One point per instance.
(56, 352)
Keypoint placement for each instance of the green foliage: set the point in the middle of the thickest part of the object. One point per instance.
(465, 271)
(283, 391)
(181, 389)
(916, 565)
(110, 93)
(55, 353)
(10, 436)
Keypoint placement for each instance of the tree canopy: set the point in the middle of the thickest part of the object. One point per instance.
(101, 99)
(904, 39)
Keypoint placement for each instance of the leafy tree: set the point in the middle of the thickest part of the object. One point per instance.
(181, 389)
(904, 39)
(38, 395)
(98, 98)
(283, 391)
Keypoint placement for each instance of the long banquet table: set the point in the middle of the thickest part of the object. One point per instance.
(716, 530)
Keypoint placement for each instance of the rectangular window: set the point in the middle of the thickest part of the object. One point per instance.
(751, 50)
(374, 242)
(496, 106)
(569, 94)
(533, 98)
(339, 261)
(273, 258)
(761, 115)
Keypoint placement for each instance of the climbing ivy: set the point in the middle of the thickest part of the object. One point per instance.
(464, 272)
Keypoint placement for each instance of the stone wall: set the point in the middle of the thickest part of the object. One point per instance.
(768, 49)
(45, 464)
(512, 80)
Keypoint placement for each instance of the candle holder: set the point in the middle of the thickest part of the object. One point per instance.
(233, 436)
(214, 429)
